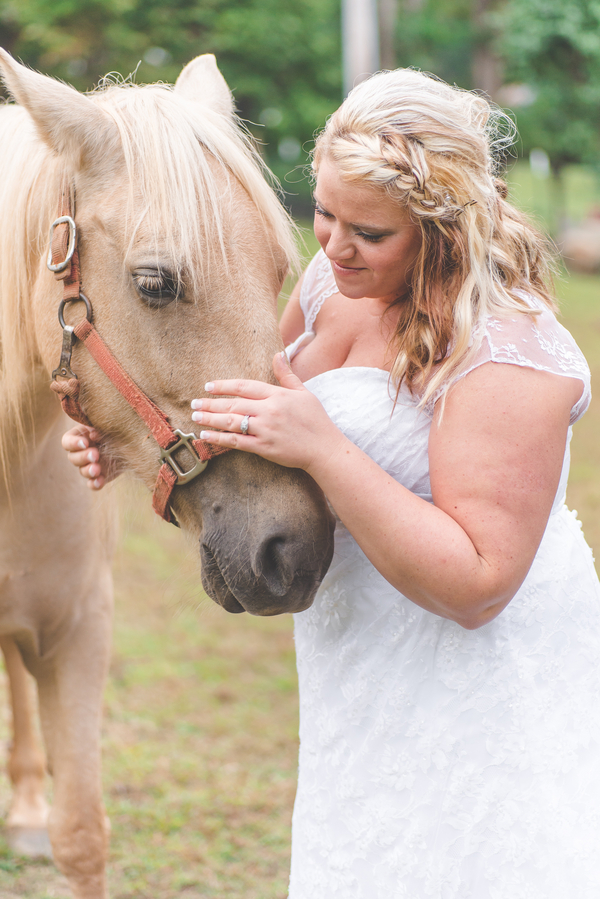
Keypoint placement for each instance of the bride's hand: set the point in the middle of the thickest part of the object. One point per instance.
(287, 424)
(81, 444)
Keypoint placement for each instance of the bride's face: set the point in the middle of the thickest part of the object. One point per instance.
(369, 238)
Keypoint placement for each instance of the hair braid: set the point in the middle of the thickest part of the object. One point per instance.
(431, 148)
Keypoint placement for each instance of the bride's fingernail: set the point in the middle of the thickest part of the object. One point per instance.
(82, 444)
(209, 387)
(90, 457)
(196, 404)
(204, 435)
(196, 416)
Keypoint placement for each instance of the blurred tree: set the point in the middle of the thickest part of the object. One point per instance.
(281, 58)
(437, 36)
(540, 58)
(553, 47)
(551, 50)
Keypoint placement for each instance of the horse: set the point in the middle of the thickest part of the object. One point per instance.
(181, 246)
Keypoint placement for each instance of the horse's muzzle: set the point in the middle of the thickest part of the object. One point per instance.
(266, 538)
(275, 574)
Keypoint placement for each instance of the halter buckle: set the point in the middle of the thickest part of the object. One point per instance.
(61, 266)
(166, 455)
(64, 369)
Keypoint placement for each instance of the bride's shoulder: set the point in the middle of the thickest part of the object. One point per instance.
(534, 339)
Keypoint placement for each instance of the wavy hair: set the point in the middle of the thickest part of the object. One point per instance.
(437, 150)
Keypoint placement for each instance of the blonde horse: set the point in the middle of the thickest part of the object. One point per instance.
(182, 248)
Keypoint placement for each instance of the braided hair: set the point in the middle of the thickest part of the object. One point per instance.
(437, 151)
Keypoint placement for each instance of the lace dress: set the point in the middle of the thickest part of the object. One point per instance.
(436, 761)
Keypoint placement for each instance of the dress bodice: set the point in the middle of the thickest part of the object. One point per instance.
(360, 401)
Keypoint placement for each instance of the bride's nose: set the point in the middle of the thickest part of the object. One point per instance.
(340, 245)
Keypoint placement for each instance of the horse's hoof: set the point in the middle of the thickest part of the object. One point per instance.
(32, 842)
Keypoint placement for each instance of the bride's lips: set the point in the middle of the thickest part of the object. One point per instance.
(344, 269)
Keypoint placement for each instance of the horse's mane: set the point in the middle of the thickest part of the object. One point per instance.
(164, 138)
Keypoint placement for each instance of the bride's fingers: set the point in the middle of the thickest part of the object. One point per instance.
(239, 387)
(237, 423)
(231, 439)
(82, 458)
(96, 483)
(80, 438)
(75, 440)
(91, 472)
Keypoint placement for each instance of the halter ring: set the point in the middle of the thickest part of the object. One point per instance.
(61, 266)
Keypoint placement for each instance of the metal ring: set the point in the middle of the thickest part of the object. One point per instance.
(244, 424)
(61, 266)
(89, 314)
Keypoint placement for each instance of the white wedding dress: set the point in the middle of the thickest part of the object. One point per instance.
(436, 761)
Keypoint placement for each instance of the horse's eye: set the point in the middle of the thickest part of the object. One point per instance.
(156, 288)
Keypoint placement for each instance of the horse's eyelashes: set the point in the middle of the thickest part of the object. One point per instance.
(156, 289)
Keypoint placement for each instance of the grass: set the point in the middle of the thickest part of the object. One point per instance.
(200, 727)
(538, 197)
(200, 736)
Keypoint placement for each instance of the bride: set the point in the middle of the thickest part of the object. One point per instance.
(449, 667)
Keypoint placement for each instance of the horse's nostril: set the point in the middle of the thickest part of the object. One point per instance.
(273, 563)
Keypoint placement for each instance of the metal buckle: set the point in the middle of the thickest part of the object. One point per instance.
(64, 369)
(183, 477)
(61, 266)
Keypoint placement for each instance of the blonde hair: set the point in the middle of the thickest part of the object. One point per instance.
(435, 149)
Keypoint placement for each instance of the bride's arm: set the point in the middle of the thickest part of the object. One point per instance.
(495, 462)
(495, 459)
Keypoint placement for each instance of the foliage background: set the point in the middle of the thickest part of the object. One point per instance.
(200, 735)
(282, 59)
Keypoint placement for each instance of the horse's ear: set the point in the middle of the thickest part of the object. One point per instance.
(201, 82)
(67, 121)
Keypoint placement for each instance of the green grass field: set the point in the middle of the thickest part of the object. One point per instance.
(200, 733)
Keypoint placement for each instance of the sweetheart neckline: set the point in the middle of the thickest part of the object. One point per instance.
(349, 368)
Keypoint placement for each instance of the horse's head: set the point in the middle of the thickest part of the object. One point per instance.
(183, 248)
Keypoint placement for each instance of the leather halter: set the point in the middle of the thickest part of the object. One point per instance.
(63, 261)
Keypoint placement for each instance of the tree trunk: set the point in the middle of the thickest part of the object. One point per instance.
(360, 40)
(486, 68)
(388, 14)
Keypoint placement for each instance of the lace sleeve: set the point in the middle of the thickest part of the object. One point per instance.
(538, 342)
(318, 284)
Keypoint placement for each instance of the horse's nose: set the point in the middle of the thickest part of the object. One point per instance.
(274, 562)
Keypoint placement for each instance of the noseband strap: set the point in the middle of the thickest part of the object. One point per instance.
(63, 260)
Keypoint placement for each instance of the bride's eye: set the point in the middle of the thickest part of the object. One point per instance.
(320, 211)
(371, 238)
(157, 288)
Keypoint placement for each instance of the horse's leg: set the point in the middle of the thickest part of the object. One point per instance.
(28, 815)
(70, 693)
